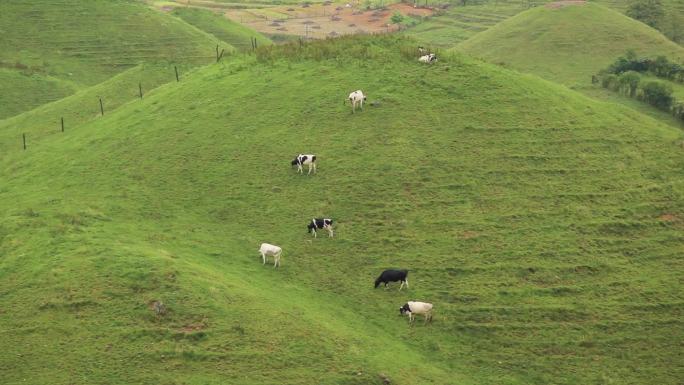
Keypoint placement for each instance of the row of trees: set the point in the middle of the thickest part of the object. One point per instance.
(653, 92)
(660, 66)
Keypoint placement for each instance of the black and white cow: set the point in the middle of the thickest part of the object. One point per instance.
(412, 308)
(302, 159)
(429, 58)
(357, 98)
(320, 223)
(388, 276)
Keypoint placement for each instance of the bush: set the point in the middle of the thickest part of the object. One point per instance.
(629, 82)
(658, 94)
(610, 81)
(397, 18)
(678, 111)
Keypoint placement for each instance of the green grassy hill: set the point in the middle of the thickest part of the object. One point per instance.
(567, 44)
(218, 25)
(458, 24)
(545, 227)
(49, 49)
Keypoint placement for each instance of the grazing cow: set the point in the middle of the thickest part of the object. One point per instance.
(388, 276)
(302, 159)
(357, 97)
(429, 58)
(413, 308)
(320, 223)
(271, 250)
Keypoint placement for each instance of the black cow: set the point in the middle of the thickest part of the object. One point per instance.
(388, 276)
(320, 223)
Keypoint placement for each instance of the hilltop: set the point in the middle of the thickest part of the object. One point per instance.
(51, 49)
(567, 44)
(545, 227)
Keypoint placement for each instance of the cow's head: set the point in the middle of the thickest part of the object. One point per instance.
(404, 309)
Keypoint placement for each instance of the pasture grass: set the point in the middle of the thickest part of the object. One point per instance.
(83, 43)
(223, 28)
(546, 228)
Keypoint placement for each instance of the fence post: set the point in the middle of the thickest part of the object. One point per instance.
(62, 124)
(140, 89)
(101, 107)
(176, 69)
(23, 137)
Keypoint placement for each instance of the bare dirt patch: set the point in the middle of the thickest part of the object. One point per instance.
(330, 20)
(668, 218)
(469, 234)
(566, 3)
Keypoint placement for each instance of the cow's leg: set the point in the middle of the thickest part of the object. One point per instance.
(330, 232)
(314, 167)
(277, 260)
(314, 233)
(310, 166)
(263, 257)
(406, 282)
(299, 168)
(401, 286)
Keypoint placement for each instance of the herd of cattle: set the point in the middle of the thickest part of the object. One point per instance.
(410, 308)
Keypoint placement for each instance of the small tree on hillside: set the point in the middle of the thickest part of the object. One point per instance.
(658, 94)
(647, 11)
(629, 82)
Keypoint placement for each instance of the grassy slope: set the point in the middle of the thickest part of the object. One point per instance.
(228, 31)
(84, 43)
(545, 227)
(84, 105)
(568, 44)
(23, 91)
(460, 23)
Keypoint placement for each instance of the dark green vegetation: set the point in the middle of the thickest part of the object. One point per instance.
(50, 49)
(216, 24)
(629, 75)
(546, 228)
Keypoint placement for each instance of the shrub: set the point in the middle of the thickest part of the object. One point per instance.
(629, 82)
(658, 94)
(610, 81)
(397, 18)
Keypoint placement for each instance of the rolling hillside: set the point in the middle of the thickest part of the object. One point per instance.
(567, 44)
(50, 49)
(545, 227)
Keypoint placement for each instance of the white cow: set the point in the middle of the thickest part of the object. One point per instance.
(429, 58)
(302, 159)
(357, 97)
(412, 308)
(271, 250)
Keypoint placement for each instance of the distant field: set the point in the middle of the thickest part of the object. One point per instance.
(546, 227)
(53, 48)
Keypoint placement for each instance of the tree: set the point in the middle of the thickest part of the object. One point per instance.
(658, 94)
(629, 81)
(647, 11)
